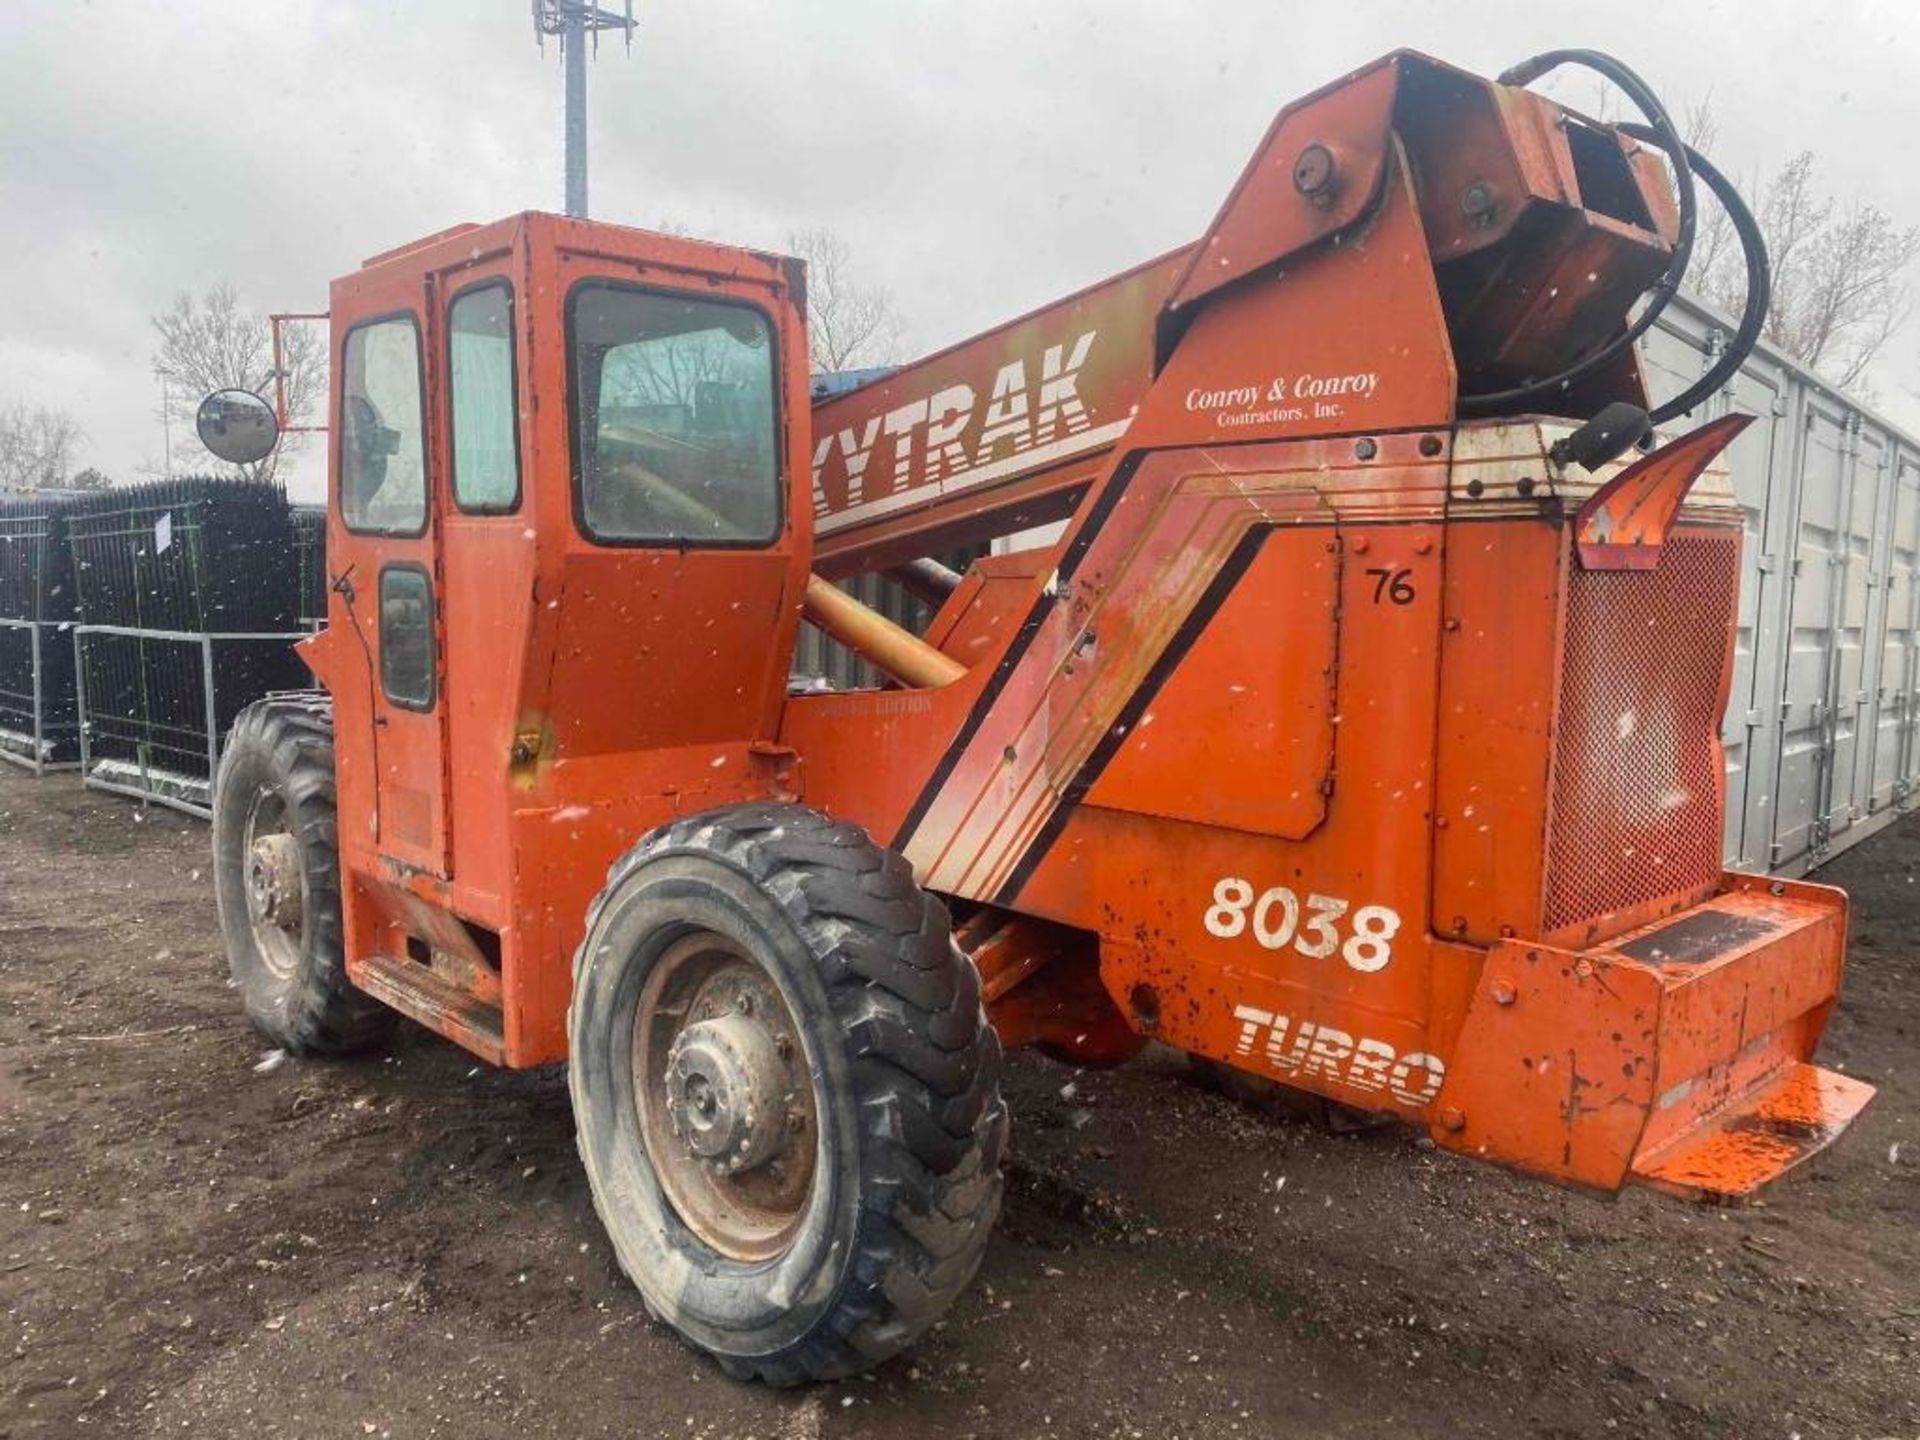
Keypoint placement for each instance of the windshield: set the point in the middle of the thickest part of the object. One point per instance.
(673, 418)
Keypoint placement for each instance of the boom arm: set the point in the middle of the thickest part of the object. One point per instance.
(1543, 230)
(1000, 431)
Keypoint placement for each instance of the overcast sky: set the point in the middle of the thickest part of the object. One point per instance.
(980, 157)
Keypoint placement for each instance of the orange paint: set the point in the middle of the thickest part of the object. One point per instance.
(1311, 747)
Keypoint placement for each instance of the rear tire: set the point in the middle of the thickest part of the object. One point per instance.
(276, 872)
(786, 1091)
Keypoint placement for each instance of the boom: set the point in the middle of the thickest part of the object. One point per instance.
(998, 432)
(1542, 229)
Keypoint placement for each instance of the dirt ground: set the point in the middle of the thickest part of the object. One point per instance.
(404, 1246)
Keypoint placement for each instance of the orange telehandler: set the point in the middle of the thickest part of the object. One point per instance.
(1359, 732)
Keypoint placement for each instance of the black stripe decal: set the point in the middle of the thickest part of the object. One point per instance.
(1232, 570)
(1016, 652)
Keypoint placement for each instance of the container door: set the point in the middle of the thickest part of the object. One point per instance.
(1808, 724)
(1900, 673)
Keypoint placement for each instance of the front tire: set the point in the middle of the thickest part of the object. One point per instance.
(786, 1091)
(276, 874)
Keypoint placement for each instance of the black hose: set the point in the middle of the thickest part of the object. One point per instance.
(1662, 133)
(1753, 314)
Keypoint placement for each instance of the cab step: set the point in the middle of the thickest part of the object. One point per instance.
(422, 993)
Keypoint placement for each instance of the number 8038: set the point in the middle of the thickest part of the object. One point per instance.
(1277, 918)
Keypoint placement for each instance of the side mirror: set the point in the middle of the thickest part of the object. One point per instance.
(237, 426)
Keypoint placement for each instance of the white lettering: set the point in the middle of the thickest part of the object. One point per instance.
(1326, 1055)
(1059, 391)
(1016, 420)
(1433, 1073)
(901, 424)
(1222, 399)
(1369, 1069)
(1277, 923)
(856, 451)
(950, 411)
(1007, 413)
(1330, 1051)
(1233, 406)
(1314, 387)
(1252, 1022)
(1283, 1059)
(820, 453)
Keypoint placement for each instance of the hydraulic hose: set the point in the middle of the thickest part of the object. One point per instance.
(1661, 131)
(1753, 314)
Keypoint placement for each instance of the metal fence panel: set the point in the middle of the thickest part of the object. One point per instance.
(39, 711)
(155, 706)
(196, 553)
(39, 727)
(310, 548)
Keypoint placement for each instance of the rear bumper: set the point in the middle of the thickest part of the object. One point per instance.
(1678, 1055)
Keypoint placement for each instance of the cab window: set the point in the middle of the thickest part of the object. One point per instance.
(673, 418)
(481, 400)
(383, 465)
(406, 636)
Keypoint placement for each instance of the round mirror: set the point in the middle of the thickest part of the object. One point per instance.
(237, 425)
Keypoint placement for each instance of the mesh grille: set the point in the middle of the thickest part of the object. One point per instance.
(1637, 775)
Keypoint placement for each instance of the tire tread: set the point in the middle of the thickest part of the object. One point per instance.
(925, 1067)
(326, 1013)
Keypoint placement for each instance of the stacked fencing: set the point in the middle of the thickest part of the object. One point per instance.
(39, 714)
(310, 545)
(189, 599)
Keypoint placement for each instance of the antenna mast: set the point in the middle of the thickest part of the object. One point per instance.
(574, 21)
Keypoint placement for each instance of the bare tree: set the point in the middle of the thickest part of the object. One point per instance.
(209, 342)
(1840, 289)
(36, 446)
(849, 325)
(664, 372)
(1716, 246)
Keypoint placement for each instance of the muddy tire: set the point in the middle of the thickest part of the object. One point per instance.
(786, 1091)
(276, 873)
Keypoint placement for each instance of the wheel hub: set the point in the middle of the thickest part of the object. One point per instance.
(274, 890)
(726, 1093)
(725, 1097)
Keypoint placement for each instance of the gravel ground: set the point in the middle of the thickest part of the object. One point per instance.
(192, 1244)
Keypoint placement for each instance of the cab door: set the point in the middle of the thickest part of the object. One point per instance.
(685, 566)
(390, 559)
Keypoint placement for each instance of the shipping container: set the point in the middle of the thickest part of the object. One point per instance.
(1820, 722)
